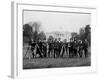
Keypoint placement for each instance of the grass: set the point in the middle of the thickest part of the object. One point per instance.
(55, 62)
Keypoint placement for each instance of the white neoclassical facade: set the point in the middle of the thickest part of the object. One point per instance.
(58, 34)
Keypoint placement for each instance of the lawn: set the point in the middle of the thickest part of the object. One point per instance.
(55, 62)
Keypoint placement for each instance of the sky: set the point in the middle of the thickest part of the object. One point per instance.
(55, 21)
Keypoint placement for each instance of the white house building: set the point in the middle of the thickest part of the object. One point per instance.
(58, 34)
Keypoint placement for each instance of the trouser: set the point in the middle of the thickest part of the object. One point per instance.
(63, 51)
(86, 52)
(70, 52)
(39, 52)
(33, 54)
(80, 52)
(44, 53)
(49, 52)
(75, 52)
(56, 53)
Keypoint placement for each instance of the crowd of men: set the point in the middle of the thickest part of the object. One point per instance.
(45, 49)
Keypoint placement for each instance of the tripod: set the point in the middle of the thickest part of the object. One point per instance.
(27, 50)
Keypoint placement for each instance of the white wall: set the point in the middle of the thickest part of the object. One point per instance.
(5, 41)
